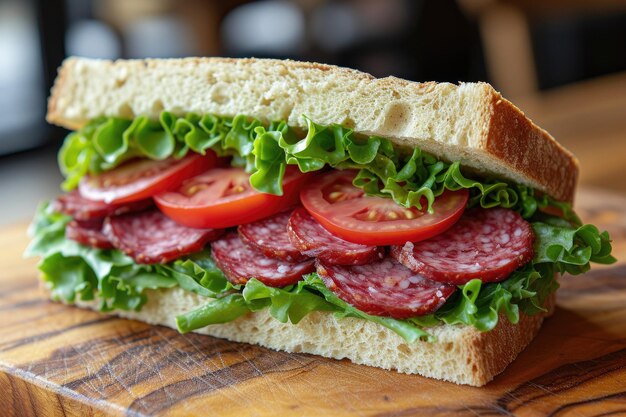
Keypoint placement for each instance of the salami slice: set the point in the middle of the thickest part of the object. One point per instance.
(88, 233)
(270, 237)
(487, 244)
(150, 237)
(385, 288)
(240, 262)
(80, 208)
(313, 240)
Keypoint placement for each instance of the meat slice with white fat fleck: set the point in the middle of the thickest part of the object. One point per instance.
(241, 262)
(488, 244)
(82, 209)
(151, 237)
(385, 288)
(88, 233)
(313, 240)
(270, 237)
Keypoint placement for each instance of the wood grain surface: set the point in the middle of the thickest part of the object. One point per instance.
(62, 361)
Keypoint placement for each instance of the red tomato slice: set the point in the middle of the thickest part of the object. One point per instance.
(223, 197)
(347, 212)
(142, 178)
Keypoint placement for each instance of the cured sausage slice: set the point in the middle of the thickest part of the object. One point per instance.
(313, 240)
(81, 208)
(487, 244)
(385, 288)
(88, 233)
(150, 237)
(240, 262)
(270, 237)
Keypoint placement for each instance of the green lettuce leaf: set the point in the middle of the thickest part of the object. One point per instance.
(69, 277)
(411, 178)
(480, 305)
(571, 249)
(199, 274)
(221, 310)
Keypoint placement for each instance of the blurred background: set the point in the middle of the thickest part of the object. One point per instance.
(562, 62)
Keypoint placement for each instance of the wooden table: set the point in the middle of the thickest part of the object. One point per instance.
(63, 361)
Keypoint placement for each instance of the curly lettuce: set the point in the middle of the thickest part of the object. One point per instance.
(409, 177)
(76, 272)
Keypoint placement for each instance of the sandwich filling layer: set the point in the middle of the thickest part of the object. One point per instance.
(267, 217)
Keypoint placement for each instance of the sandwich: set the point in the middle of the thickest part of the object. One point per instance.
(415, 227)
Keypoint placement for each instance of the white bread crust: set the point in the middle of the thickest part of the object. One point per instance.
(470, 122)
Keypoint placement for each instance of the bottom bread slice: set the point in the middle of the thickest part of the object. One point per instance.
(461, 354)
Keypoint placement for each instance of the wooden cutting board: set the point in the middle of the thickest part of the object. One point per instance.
(62, 361)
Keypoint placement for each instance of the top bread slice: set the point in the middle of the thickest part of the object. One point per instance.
(469, 122)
